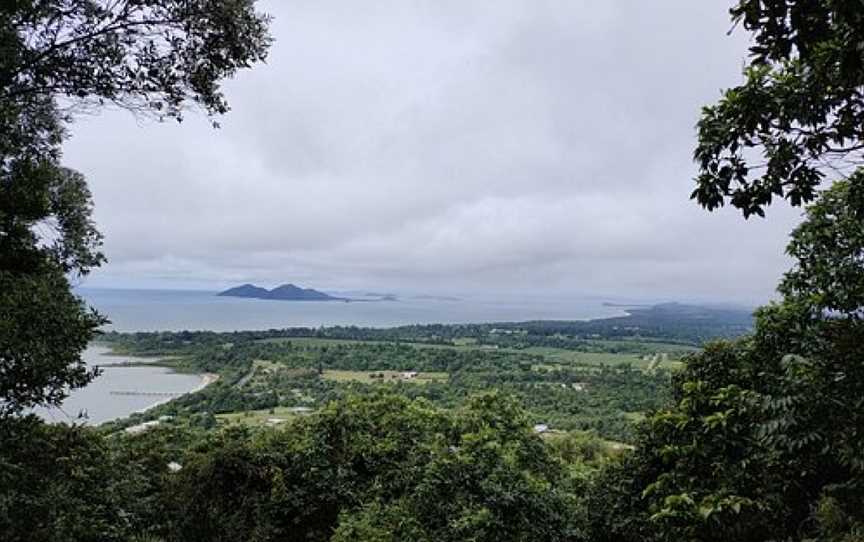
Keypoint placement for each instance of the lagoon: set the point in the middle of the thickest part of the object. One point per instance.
(108, 398)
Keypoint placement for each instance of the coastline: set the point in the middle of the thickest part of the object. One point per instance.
(206, 380)
(97, 401)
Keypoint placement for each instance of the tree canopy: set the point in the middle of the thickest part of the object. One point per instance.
(799, 115)
(146, 55)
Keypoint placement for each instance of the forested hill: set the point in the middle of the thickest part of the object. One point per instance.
(286, 292)
(671, 321)
(668, 322)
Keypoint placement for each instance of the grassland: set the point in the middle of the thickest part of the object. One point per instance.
(257, 418)
(666, 354)
(558, 356)
(371, 377)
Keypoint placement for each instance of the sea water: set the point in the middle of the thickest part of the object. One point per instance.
(119, 390)
(176, 310)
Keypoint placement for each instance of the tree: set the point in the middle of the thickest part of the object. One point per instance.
(763, 440)
(153, 56)
(61, 483)
(376, 467)
(829, 252)
(45, 234)
(799, 114)
(58, 57)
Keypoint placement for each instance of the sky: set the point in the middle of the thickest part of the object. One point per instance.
(443, 146)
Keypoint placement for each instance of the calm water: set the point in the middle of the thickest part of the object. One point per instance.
(100, 404)
(174, 310)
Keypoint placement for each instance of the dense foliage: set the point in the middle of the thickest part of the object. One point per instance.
(373, 467)
(764, 441)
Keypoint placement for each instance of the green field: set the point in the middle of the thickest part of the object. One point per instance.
(257, 418)
(553, 355)
(387, 376)
(565, 357)
(650, 344)
(462, 344)
(311, 341)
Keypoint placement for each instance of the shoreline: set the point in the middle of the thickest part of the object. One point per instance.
(91, 403)
(206, 380)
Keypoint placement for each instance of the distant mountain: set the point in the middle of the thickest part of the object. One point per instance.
(289, 292)
(286, 292)
(246, 290)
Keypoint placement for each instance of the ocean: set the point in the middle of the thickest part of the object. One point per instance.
(177, 310)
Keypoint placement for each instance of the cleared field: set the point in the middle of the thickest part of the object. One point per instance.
(262, 417)
(565, 357)
(385, 376)
(658, 346)
(553, 355)
(311, 341)
(609, 447)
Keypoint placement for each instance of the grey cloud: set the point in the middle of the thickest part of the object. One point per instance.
(443, 145)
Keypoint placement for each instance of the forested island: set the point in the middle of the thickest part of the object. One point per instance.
(285, 292)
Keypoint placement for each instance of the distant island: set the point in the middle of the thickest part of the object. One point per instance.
(286, 292)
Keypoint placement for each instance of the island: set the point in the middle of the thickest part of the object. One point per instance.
(286, 292)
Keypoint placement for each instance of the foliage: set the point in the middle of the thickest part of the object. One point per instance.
(260, 374)
(157, 56)
(829, 252)
(375, 467)
(43, 327)
(147, 55)
(764, 438)
(152, 56)
(799, 113)
(59, 483)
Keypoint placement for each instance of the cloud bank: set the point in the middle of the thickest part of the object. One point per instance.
(443, 146)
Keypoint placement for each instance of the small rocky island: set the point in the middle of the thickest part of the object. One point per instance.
(286, 292)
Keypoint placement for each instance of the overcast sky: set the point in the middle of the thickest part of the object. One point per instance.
(443, 146)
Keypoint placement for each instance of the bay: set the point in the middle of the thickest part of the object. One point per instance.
(177, 310)
(117, 392)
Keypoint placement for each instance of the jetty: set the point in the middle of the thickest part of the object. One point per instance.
(148, 393)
